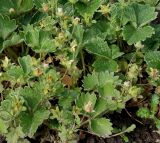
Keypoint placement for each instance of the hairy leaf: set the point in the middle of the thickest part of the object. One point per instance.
(40, 41)
(152, 59)
(30, 123)
(133, 35)
(98, 47)
(88, 9)
(7, 26)
(101, 126)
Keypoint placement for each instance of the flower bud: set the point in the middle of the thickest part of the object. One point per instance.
(11, 10)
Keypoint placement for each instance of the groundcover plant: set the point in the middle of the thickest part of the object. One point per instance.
(66, 64)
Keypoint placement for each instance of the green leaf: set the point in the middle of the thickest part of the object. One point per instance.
(86, 101)
(88, 9)
(144, 14)
(116, 52)
(15, 72)
(90, 81)
(14, 39)
(130, 129)
(30, 123)
(157, 121)
(100, 106)
(100, 29)
(78, 33)
(40, 41)
(153, 43)
(32, 97)
(152, 59)
(3, 127)
(14, 134)
(154, 104)
(39, 3)
(101, 64)
(99, 79)
(98, 47)
(5, 6)
(101, 126)
(7, 26)
(143, 112)
(18, 6)
(26, 63)
(24, 5)
(138, 14)
(133, 35)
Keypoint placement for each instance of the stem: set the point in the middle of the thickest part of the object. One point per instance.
(83, 63)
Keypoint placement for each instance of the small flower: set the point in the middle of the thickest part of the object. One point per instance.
(154, 73)
(105, 9)
(60, 11)
(127, 83)
(45, 65)
(76, 20)
(73, 46)
(45, 7)
(11, 10)
(88, 107)
(139, 45)
(5, 62)
(134, 91)
(37, 72)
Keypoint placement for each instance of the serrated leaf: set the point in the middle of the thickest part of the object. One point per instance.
(101, 64)
(65, 101)
(39, 3)
(144, 14)
(116, 52)
(143, 112)
(86, 101)
(78, 33)
(152, 59)
(5, 6)
(88, 9)
(122, 14)
(151, 2)
(31, 96)
(25, 63)
(133, 35)
(3, 127)
(14, 39)
(138, 14)
(99, 79)
(90, 81)
(100, 29)
(101, 126)
(98, 47)
(40, 41)
(153, 43)
(24, 5)
(19, 6)
(39, 116)
(100, 106)
(7, 26)
(154, 104)
(14, 134)
(30, 123)
(15, 72)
